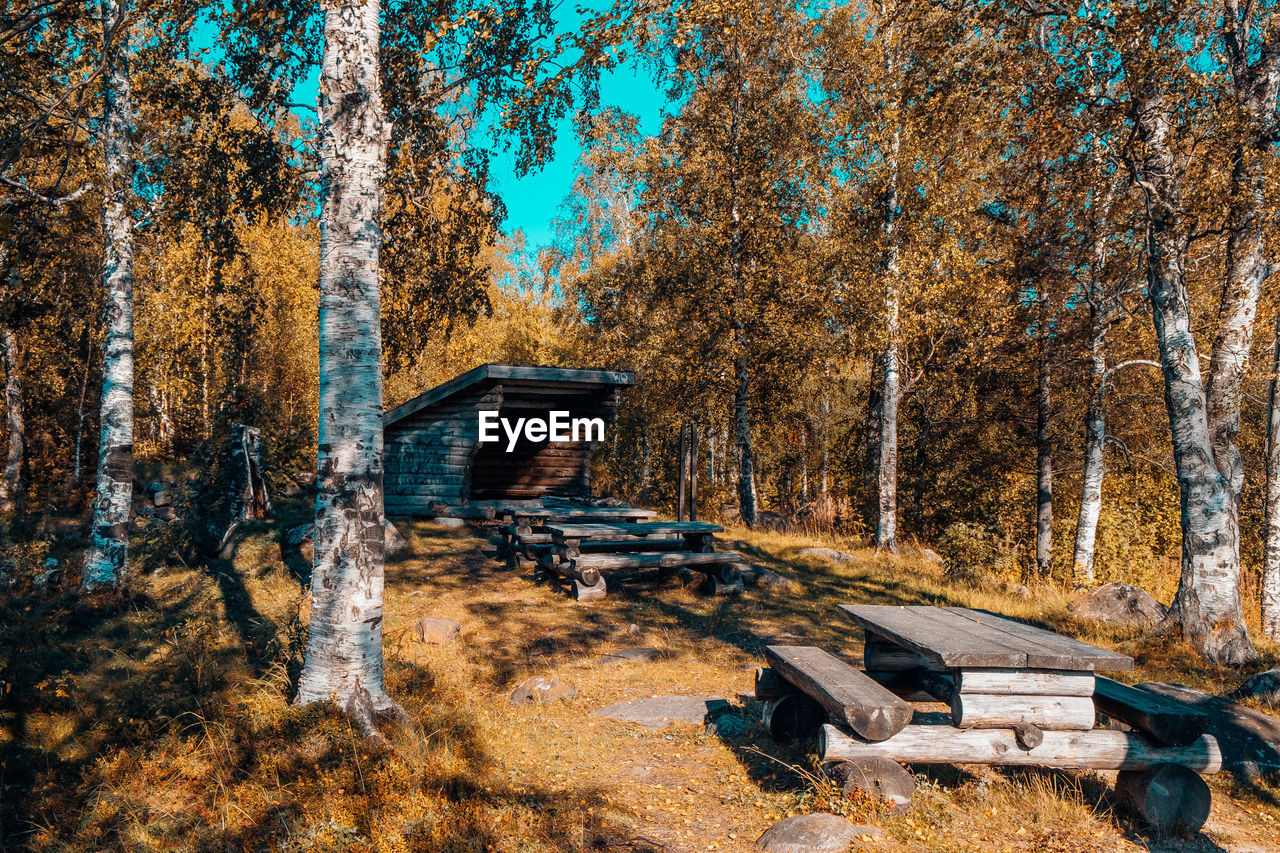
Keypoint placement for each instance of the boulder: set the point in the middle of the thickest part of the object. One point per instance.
(436, 631)
(637, 655)
(165, 513)
(658, 712)
(1265, 687)
(162, 498)
(827, 554)
(1119, 602)
(766, 520)
(932, 556)
(541, 688)
(451, 522)
(759, 576)
(813, 833)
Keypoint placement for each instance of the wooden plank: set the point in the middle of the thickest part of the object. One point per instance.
(644, 528)
(1098, 749)
(1050, 713)
(848, 694)
(1166, 719)
(1025, 682)
(558, 514)
(881, 655)
(656, 561)
(951, 641)
(958, 637)
(1050, 649)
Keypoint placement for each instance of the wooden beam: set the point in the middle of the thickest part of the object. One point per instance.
(1167, 720)
(848, 694)
(1058, 713)
(1098, 749)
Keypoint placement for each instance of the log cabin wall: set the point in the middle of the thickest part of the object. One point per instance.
(432, 450)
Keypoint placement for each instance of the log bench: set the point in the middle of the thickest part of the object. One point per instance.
(524, 523)
(1017, 695)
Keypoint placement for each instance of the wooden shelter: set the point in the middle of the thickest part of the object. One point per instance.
(434, 459)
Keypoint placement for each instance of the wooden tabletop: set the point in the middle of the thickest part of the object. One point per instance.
(959, 637)
(643, 528)
(570, 512)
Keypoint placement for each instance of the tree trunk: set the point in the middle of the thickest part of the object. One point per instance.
(11, 479)
(1271, 536)
(1207, 606)
(826, 452)
(891, 385)
(80, 409)
(1095, 433)
(344, 644)
(104, 563)
(746, 465)
(1044, 454)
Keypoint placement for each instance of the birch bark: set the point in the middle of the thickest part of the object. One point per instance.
(11, 479)
(891, 385)
(344, 645)
(1044, 453)
(104, 562)
(1271, 535)
(1207, 606)
(1095, 435)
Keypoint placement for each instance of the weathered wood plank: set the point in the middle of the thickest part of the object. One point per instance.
(1045, 648)
(1098, 749)
(881, 655)
(644, 528)
(668, 560)
(1025, 682)
(847, 693)
(1167, 720)
(1052, 713)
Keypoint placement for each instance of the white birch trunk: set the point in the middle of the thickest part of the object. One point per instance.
(747, 506)
(1271, 535)
(104, 563)
(1095, 434)
(1044, 453)
(1207, 605)
(344, 644)
(11, 479)
(891, 386)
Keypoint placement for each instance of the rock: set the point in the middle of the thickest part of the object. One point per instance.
(165, 513)
(638, 655)
(1249, 739)
(154, 488)
(657, 712)
(392, 542)
(729, 726)
(729, 513)
(1119, 602)
(932, 556)
(541, 688)
(633, 628)
(766, 520)
(878, 776)
(1265, 687)
(146, 511)
(450, 522)
(437, 631)
(813, 833)
(162, 498)
(1018, 590)
(827, 554)
(759, 576)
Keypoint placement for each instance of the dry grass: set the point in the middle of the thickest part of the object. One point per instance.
(160, 721)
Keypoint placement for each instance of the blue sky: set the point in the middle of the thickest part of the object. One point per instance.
(532, 201)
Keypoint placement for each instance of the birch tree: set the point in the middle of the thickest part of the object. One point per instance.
(11, 477)
(344, 645)
(104, 562)
(1271, 508)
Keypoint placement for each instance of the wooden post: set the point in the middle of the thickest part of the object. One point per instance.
(693, 472)
(681, 476)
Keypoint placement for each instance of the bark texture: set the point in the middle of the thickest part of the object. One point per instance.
(1271, 534)
(1044, 456)
(11, 478)
(891, 384)
(104, 563)
(344, 645)
(1207, 606)
(747, 506)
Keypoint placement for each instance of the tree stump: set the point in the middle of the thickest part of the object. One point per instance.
(1169, 797)
(249, 499)
(879, 777)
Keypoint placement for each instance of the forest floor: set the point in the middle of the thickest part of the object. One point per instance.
(160, 720)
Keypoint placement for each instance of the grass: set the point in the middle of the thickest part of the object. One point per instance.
(160, 720)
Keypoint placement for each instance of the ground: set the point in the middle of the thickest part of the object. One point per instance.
(160, 720)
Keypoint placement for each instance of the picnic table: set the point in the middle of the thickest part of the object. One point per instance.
(524, 536)
(1017, 695)
(583, 551)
